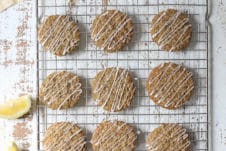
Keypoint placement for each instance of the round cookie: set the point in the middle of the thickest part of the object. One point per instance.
(116, 135)
(170, 85)
(113, 88)
(64, 136)
(59, 35)
(111, 30)
(171, 137)
(171, 30)
(60, 90)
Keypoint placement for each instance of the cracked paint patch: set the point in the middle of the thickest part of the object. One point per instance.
(21, 131)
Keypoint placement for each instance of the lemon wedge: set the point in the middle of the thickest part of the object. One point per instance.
(13, 147)
(16, 108)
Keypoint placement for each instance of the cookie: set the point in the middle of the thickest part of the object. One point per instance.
(116, 135)
(170, 137)
(171, 30)
(170, 85)
(59, 35)
(60, 90)
(113, 88)
(64, 136)
(111, 30)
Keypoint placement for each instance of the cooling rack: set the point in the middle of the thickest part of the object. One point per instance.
(140, 57)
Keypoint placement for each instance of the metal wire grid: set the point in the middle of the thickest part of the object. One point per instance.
(140, 56)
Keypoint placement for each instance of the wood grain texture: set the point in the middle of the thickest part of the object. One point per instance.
(18, 71)
(218, 22)
(11, 68)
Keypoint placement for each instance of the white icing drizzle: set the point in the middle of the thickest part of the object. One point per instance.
(80, 142)
(78, 90)
(177, 136)
(61, 37)
(161, 92)
(50, 97)
(51, 81)
(117, 144)
(158, 20)
(98, 34)
(167, 33)
(179, 41)
(57, 142)
(166, 37)
(49, 30)
(159, 76)
(56, 33)
(119, 84)
(152, 145)
(171, 33)
(170, 22)
(70, 43)
(61, 25)
(80, 145)
(188, 91)
(167, 83)
(190, 88)
(109, 42)
(103, 137)
(54, 90)
(54, 141)
(110, 137)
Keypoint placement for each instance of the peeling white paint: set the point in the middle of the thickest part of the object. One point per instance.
(17, 68)
(8, 24)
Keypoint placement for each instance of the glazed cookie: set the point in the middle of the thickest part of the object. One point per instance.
(112, 30)
(116, 135)
(113, 88)
(64, 136)
(59, 35)
(171, 30)
(60, 90)
(170, 85)
(170, 137)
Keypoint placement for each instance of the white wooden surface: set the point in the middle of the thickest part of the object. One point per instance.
(218, 20)
(18, 71)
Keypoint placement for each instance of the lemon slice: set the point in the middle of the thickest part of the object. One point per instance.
(13, 147)
(16, 108)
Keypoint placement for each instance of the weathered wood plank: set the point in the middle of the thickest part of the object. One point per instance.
(18, 71)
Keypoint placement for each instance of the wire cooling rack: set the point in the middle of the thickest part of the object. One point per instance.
(140, 56)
